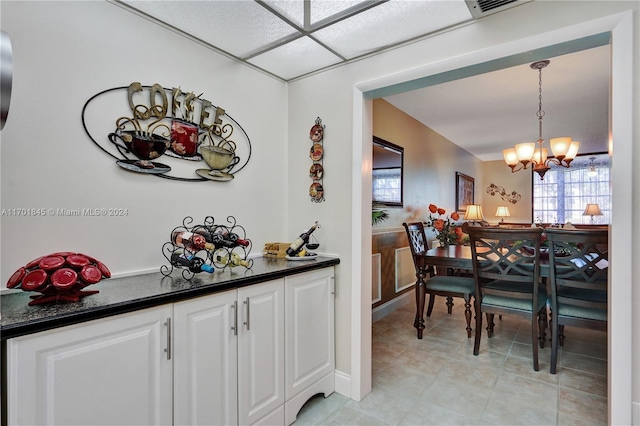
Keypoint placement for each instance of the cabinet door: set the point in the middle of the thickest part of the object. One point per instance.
(112, 371)
(260, 350)
(309, 307)
(206, 360)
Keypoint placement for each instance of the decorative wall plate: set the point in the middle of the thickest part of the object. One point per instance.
(316, 152)
(316, 191)
(316, 171)
(317, 132)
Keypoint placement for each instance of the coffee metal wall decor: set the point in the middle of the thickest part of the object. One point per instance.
(171, 134)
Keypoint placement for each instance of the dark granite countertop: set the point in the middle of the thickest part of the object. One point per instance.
(120, 295)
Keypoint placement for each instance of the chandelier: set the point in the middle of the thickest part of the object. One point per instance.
(564, 149)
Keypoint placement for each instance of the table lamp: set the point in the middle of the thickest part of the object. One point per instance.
(592, 210)
(473, 213)
(503, 211)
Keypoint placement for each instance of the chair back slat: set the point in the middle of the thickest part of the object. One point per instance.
(506, 253)
(417, 237)
(579, 266)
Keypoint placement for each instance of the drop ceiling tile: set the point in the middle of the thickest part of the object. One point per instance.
(237, 27)
(318, 9)
(389, 23)
(295, 58)
(322, 9)
(290, 9)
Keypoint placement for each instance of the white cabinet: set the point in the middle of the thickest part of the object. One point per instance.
(217, 360)
(112, 371)
(309, 307)
(205, 359)
(229, 356)
(260, 350)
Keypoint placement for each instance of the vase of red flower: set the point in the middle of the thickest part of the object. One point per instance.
(447, 231)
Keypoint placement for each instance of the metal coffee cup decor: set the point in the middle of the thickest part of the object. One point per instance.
(167, 133)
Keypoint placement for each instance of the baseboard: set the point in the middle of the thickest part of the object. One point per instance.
(392, 305)
(343, 383)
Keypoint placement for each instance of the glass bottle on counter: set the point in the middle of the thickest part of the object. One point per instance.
(190, 241)
(232, 259)
(194, 263)
(297, 244)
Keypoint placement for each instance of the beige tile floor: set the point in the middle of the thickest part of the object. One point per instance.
(438, 381)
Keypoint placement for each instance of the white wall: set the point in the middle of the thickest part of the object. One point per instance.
(66, 52)
(430, 165)
(337, 96)
(498, 173)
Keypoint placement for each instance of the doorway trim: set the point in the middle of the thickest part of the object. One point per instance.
(620, 26)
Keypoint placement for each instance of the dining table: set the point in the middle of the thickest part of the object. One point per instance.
(454, 259)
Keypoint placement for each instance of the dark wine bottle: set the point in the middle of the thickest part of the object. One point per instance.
(222, 238)
(194, 263)
(297, 244)
(190, 241)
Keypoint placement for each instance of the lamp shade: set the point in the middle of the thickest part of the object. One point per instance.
(503, 211)
(560, 146)
(592, 210)
(573, 150)
(510, 156)
(474, 212)
(525, 150)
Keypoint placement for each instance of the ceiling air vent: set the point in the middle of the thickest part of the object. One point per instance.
(480, 8)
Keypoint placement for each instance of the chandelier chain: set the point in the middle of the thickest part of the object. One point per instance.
(540, 111)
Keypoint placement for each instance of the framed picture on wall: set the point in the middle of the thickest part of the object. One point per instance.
(464, 191)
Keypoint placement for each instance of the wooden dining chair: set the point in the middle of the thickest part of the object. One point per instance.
(506, 269)
(579, 265)
(435, 285)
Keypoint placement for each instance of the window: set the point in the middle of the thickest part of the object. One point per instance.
(387, 173)
(386, 185)
(564, 193)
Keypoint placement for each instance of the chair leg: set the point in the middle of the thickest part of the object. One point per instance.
(476, 343)
(449, 304)
(490, 325)
(534, 338)
(467, 314)
(561, 335)
(432, 298)
(418, 323)
(553, 325)
(542, 325)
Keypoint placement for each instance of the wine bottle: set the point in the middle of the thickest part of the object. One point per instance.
(193, 263)
(297, 244)
(190, 241)
(232, 259)
(222, 238)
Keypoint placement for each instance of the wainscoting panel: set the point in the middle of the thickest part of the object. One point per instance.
(405, 271)
(397, 274)
(376, 277)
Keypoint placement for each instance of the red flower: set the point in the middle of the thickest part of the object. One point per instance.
(441, 211)
(438, 224)
(455, 216)
(458, 231)
(433, 208)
